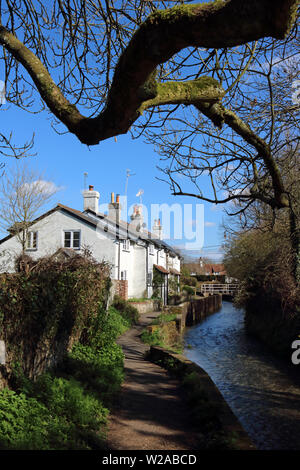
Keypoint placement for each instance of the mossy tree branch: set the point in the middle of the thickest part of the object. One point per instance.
(164, 33)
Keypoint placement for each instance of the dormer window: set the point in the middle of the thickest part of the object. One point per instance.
(31, 241)
(72, 239)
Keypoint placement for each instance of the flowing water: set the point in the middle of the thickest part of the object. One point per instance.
(262, 390)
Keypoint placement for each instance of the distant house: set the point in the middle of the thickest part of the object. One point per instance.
(213, 270)
(206, 269)
(133, 253)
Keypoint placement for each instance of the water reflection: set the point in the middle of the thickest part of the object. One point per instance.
(262, 390)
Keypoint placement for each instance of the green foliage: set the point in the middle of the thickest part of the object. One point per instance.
(44, 311)
(51, 309)
(129, 312)
(153, 338)
(27, 423)
(189, 290)
(164, 335)
(68, 408)
(188, 280)
(164, 318)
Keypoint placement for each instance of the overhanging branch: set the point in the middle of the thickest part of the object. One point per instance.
(164, 33)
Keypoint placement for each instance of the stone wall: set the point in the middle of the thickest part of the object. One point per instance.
(147, 306)
(192, 312)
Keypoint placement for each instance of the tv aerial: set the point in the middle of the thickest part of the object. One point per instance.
(139, 194)
(128, 174)
(85, 175)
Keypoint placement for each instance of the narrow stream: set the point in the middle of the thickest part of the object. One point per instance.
(262, 390)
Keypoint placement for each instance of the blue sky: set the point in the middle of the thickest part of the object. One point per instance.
(64, 160)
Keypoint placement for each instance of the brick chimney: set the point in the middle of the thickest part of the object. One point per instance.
(91, 199)
(157, 229)
(114, 208)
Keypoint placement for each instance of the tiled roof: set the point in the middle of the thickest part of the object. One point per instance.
(214, 268)
(174, 271)
(92, 220)
(161, 269)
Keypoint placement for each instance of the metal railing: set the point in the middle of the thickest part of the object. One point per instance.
(229, 289)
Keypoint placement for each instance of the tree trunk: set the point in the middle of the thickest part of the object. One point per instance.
(295, 242)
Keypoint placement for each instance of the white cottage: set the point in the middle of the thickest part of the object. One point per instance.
(133, 253)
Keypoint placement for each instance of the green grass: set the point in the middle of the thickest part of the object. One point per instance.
(160, 338)
(164, 318)
(153, 339)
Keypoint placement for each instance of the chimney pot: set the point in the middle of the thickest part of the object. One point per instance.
(118, 198)
(91, 199)
(112, 198)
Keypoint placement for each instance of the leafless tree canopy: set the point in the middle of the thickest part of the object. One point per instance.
(212, 81)
(114, 57)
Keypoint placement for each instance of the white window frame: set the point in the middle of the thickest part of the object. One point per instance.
(30, 240)
(123, 275)
(126, 244)
(72, 239)
(151, 249)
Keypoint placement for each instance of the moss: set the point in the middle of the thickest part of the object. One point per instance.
(171, 15)
(192, 88)
(290, 12)
(149, 89)
(189, 92)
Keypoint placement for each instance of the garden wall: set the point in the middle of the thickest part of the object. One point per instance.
(147, 306)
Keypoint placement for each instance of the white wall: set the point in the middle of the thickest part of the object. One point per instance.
(102, 244)
(51, 237)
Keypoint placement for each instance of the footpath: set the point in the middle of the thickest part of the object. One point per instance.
(151, 413)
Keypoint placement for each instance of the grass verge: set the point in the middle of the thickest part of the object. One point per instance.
(163, 332)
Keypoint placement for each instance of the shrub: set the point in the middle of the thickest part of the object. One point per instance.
(127, 311)
(25, 423)
(153, 338)
(68, 408)
(189, 290)
(44, 312)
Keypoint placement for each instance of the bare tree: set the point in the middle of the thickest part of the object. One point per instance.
(128, 58)
(106, 55)
(23, 193)
(248, 155)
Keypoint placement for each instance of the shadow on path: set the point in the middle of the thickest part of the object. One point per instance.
(151, 412)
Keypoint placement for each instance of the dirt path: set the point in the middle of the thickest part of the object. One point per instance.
(151, 413)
